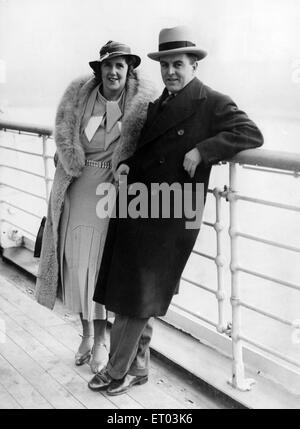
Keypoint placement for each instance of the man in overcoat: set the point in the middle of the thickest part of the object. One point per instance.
(188, 129)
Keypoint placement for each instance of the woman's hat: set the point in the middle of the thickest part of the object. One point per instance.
(176, 40)
(115, 49)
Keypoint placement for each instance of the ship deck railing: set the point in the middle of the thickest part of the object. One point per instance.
(224, 332)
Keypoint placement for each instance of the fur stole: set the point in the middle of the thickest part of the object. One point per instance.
(139, 92)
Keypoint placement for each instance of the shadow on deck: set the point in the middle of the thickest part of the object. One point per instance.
(37, 355)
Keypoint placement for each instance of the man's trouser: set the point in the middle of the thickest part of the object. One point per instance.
(129, 346)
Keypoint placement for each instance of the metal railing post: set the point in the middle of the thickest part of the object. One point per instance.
(219, 261)
(238, 371)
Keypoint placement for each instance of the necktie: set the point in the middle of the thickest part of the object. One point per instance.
(167, 100)
(113, 115)
(107, 114)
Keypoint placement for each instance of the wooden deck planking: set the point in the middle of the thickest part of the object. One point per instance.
(49, 341)
(71, 381)
(154, 397)
(169, 383)
(172, 389)
(64, 333)
(19, 388)
(41, 315)
(71, 338)
(181, 386)
(7, 402)
(50, 389)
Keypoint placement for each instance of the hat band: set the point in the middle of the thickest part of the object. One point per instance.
(118, 48)
(108, 54)
(175, 45)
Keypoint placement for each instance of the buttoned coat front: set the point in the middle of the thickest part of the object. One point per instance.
(144, 257)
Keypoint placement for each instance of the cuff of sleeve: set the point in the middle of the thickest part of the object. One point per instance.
(204, 155)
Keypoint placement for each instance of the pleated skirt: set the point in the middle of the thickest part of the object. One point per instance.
(82, 238)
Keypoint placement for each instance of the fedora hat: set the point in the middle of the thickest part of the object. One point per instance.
(176, 40)
(115, 49)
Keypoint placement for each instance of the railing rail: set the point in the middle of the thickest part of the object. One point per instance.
(38, 132)
(270, 159)
(254, 157)
(26, 128)
(274, 162)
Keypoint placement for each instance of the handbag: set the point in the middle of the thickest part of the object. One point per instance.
(39, 239)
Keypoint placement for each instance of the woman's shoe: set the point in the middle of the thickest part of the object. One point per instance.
(81, 359)
(98, 365)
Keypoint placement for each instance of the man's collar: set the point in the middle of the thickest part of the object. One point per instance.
(194, 87)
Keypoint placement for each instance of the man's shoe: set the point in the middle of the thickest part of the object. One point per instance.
(100, 381)
(118, 387)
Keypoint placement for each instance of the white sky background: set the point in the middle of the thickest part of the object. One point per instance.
(253, 46)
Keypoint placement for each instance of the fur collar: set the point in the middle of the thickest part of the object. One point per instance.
(139, 92)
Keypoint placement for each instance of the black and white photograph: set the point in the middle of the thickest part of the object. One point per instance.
(149, 207)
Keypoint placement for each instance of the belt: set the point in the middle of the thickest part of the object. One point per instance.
(99, 164)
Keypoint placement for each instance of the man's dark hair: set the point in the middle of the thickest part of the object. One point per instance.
(193, 58)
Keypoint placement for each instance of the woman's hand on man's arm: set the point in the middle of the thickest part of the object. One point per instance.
(122, 170)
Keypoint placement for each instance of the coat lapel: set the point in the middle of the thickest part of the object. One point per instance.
(183, 106)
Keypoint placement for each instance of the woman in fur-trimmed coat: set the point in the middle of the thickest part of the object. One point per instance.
(78, 171)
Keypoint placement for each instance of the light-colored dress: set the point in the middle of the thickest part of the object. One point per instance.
(82, 232)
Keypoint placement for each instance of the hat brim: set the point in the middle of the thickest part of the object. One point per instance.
(199, 53)
(136, 60)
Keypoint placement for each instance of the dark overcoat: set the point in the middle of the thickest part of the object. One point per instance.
(144, 258)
